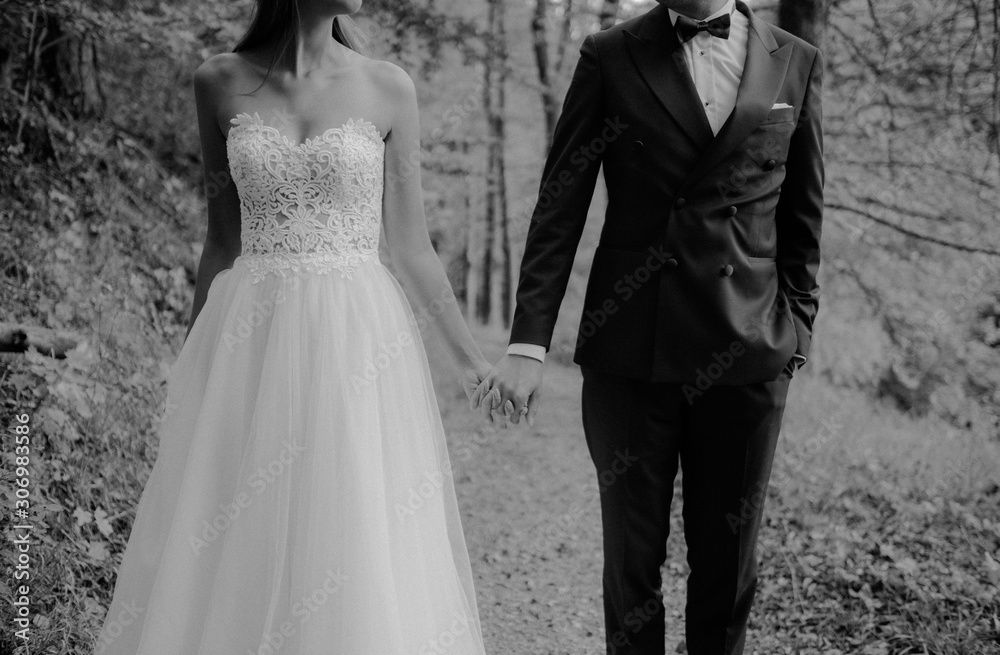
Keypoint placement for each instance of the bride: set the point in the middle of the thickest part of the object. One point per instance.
(301, 424)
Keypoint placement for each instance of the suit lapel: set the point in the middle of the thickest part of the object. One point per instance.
(763, 74)
(657, 54)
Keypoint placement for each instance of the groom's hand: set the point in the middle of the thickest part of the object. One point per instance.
(515, 384)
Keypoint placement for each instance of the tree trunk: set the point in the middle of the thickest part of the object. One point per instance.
(539, 31)
(805, 19)
(497, 238)
(5, 77)
(506, 298)
(565, 30)
(995, 111)
(484, 291)
(464, 264)
(68, 62)
(485, 273)
(495, 281)
(609, 13)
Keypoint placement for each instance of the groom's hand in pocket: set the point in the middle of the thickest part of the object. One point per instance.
(515, 384)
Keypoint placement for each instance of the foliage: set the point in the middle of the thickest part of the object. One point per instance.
(101, 217)
(912, 147)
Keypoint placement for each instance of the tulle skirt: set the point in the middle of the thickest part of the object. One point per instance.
(302, 500)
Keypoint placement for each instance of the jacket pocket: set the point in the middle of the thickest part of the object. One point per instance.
(779, 115)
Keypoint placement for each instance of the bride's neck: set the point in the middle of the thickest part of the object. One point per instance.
(314, 47)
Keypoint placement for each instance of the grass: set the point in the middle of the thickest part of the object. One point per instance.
(881, 535)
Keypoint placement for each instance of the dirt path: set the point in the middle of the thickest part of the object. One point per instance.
(532, 521)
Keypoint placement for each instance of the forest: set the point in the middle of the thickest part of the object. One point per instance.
(883, 526)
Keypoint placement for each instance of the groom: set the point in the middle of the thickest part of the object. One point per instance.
(701, 297)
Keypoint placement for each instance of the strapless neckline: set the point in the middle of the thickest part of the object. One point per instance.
(360, 126)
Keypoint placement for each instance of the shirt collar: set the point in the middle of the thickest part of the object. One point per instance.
(727, 8)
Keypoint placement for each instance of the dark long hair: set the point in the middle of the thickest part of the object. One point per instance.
(277, 21)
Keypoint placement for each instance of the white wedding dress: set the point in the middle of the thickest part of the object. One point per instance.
(301, 502)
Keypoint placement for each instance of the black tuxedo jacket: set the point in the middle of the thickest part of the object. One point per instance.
(706, 267)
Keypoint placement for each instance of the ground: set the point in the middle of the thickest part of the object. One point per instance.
(530, 508)
(881, 532)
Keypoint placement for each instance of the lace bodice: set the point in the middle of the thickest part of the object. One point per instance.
(313, 206)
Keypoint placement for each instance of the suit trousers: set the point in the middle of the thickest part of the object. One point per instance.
(723, 438)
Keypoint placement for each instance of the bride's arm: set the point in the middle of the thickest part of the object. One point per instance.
(406, 232)
(222, 242)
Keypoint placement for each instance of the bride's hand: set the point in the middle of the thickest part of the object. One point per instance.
(473, 376)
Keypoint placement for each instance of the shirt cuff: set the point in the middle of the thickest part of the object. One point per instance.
(527, 350)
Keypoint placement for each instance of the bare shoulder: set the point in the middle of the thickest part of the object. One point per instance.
(216, 80)
(218, 69)
(226, 71)
(392, 82)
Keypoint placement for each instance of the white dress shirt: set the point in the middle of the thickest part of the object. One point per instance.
(716, 66)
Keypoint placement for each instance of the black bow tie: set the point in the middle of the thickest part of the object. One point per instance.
(687, 28)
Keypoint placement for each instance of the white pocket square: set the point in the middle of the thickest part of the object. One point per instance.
(781, 105)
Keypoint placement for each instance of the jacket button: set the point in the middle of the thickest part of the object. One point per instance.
(727, 270)
(770, 164)
(680, 203)
(732, 211)
(671, 263)
(638, 145)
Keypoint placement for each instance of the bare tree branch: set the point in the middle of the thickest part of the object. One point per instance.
(917, 235)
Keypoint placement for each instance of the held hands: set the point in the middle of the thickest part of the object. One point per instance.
(512, 389)
(472, 376)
